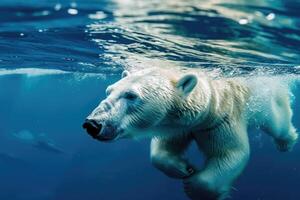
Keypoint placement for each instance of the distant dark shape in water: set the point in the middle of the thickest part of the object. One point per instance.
(39, 141)
(25, 136)
(48, 146)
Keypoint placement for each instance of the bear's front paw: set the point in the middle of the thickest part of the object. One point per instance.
(197, 188)
(172, 166)
(287, 143)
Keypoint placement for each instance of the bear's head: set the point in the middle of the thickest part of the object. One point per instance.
(138, 104)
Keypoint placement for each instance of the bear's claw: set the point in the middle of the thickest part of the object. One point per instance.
(197, 189)
(287, 144)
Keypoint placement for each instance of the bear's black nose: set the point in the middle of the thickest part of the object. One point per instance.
(92, 127)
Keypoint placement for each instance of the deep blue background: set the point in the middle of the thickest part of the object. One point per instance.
(94, 46)
(56, 105)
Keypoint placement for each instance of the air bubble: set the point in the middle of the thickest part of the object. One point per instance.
(243, 21)
(270, 16)
(72, 11)
(57, 7)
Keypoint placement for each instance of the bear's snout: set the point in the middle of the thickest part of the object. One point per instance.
(102, 132)
(92, 127)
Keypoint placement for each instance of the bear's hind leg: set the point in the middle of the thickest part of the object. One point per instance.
(279, 123)
(287, 143)
(167, 155)
(227, 153)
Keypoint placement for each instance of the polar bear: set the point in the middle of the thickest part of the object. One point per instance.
(177, 106)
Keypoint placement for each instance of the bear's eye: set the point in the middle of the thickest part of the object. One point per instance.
(130, 96)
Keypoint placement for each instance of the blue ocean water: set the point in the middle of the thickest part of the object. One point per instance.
(57, 57)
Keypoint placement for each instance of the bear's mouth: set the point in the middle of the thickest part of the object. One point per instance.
(107, 133)
(99, 131)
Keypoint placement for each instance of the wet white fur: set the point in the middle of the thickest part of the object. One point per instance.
(184, 105)
(249, 102)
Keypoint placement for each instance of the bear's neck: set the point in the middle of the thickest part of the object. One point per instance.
(225, 99)
(194, 109)
(200, 103)
(210, 103)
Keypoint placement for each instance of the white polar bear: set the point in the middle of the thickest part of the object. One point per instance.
(177, 106)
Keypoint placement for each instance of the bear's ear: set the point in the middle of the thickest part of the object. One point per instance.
(125, 73)
(187, 83)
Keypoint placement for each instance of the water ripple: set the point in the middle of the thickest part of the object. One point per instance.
(237, 37)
